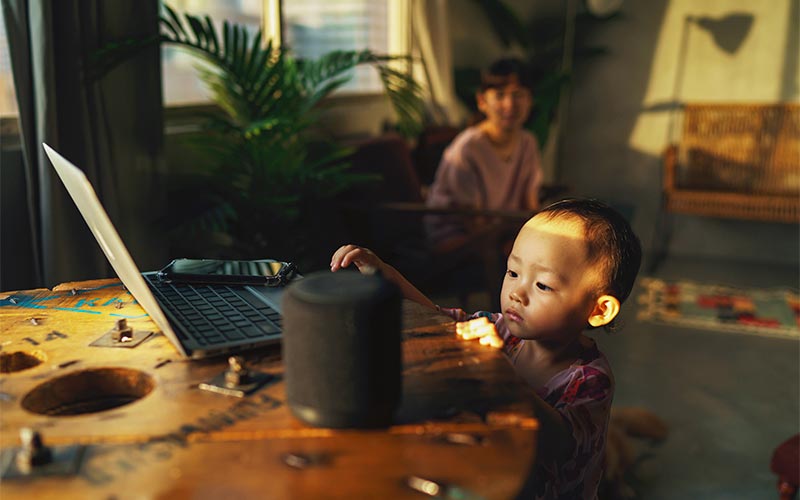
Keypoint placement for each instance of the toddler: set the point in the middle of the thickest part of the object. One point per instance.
(571, 267)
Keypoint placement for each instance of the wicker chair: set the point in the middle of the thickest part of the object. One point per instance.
(738, 161)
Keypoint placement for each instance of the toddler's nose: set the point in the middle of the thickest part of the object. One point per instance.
(518, 294)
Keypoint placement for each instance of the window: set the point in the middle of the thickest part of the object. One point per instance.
(315, 27)
(310, 28)
(181, 84)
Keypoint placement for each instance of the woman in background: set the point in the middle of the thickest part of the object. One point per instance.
(493, 165)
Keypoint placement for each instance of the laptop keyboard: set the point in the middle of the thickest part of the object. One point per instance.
(216, 314)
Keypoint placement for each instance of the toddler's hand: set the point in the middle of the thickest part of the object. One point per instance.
(481, 329)
(365, 259)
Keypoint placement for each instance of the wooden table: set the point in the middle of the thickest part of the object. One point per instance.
(465, 421)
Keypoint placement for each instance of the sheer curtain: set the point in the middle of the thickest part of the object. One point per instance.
(431, 44)
(111, 128)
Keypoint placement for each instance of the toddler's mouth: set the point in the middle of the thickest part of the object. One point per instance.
(513, 315)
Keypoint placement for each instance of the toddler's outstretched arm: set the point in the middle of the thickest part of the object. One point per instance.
(556, 442)
(368, 263)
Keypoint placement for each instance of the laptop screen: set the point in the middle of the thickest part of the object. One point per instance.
(85, 198)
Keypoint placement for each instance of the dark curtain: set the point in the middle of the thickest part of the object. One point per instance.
(110, 127)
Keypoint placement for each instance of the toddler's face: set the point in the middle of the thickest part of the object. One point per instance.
(550, 288)
(506, 107)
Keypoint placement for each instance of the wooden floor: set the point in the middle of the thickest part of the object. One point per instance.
(729, 398)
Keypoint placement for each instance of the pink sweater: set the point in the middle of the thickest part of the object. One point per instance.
(472, 174)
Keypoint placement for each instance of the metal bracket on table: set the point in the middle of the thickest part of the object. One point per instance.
(34, 459)
(237, 380)
(121, 335)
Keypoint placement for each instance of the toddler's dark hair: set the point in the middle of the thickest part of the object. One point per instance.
(609, 237)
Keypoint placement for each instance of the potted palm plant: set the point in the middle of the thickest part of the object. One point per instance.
(268, 187)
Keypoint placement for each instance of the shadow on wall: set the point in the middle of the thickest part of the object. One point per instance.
(790, 83)
(598, 157)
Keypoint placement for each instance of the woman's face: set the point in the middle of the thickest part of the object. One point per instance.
(507, 107)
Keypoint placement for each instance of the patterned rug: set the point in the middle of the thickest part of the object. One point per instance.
(767, 312)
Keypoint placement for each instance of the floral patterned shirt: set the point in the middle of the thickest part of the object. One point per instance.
(582, 395)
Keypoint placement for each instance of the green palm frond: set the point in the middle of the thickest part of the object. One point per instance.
(265, 167)
(403, 93)
(246, 78)
(329, 66)
(252, 81)
(329, 72)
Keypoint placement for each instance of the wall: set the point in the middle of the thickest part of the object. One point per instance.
(472, 38)
(619, 112)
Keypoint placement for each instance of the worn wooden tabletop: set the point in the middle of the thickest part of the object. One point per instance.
(132, 422)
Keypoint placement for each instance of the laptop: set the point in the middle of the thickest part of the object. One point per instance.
(199, 320)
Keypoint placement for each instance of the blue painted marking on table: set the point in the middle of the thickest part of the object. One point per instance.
(34, 302)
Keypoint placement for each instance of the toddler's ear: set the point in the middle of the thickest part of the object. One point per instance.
(605, 309)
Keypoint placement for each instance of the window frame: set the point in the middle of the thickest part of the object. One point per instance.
(184, 118)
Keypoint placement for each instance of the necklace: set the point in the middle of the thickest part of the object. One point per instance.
(505, 151)
(502, 146)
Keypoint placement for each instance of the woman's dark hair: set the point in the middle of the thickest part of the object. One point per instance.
(504, 71)
(609, 238)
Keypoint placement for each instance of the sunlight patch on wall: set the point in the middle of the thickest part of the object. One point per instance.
(712, 51)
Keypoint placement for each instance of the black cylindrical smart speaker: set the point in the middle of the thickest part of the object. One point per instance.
(341, 349)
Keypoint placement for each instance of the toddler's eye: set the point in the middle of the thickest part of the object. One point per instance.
(543, 287)
(511, 274)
